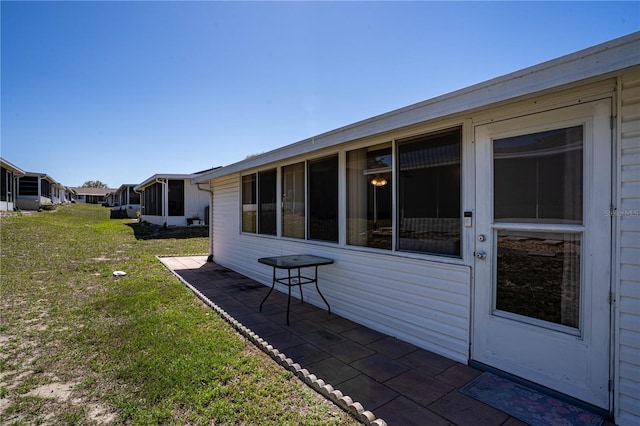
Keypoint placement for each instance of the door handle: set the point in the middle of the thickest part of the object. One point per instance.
(481, 254)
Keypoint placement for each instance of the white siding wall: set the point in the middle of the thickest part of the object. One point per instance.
(628, 225)
(195, 200)
(421, 302)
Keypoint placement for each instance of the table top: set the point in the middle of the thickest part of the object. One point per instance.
(295, 261)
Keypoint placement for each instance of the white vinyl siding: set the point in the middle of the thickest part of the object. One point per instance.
(628, 225)
(421, 302)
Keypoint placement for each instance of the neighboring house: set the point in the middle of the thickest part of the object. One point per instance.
(126, 199)
(498, 225)
(68, 195)
(172, 200)
(9, 174)
(92, 195)
(35, 189)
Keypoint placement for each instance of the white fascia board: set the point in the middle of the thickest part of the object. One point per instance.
(14, 169)
(600, 61)
(153, 179)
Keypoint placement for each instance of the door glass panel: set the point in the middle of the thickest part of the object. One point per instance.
(538, 275)
(538, 177)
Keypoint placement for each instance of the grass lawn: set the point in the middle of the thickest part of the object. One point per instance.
(79, 346)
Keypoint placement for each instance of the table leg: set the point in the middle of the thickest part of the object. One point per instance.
(318, 288)
(300, 286)
(288, 298)
(273, 284)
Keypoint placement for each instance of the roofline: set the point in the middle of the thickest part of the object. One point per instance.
(601, 60)
(15, 169)
(42, 176)
(153, 179)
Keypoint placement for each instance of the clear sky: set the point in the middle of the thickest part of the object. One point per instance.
(120, 91)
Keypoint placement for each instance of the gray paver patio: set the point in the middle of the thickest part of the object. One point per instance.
(395, 380)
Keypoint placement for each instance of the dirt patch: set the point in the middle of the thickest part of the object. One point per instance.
(59, 391)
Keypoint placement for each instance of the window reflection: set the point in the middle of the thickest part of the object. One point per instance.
(539, 275)
(369, 191)
(293, 209)
(539, 177)
(429, 193)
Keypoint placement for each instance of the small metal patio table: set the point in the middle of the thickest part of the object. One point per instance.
(296, 261)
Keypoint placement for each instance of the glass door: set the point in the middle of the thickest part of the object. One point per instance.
(541, 308)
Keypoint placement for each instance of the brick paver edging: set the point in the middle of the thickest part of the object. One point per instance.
(345, 402)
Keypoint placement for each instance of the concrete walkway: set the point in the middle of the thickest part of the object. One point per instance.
(393, 380)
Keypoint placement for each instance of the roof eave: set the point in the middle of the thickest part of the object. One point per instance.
(602, 60)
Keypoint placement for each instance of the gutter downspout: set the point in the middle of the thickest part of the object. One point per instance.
(141, 202)
(210, 191)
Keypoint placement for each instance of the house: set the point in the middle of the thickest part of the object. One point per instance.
(172, 200)
(91, 195)
(35, 189)
(127, 200)
(497, 225)
(8, 175)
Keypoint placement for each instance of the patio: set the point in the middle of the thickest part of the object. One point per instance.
(377, 377)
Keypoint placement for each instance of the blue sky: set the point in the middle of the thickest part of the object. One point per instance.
(119, 91)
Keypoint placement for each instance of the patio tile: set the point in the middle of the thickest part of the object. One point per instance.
(306, 354)
(333, 371)
(426, 361)
(283, 341)
(363, 335)
(303, 308)
(233, 308)
(348, 351)
(250, 319)
(419, 387)
(405, 412)
(340, 325)
(303, 326)
(512, 421)
(319, 315)
(273, 308)
(266, 329)
(281, 318)
(379, 367)
(458, 375)
(367, 392)
(392, 347)
(465, 411)
(323, 338)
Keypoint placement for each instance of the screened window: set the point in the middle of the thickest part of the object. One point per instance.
(28, 185)
(249, 206)
(267, 182)
(6, 188)
(293, 204)
(153, 200)
(176, 197)
(369, 192)
(45, 188)
(429, 193)
(134, 197)
(323, 199)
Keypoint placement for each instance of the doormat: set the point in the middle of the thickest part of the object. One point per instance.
(528, 405)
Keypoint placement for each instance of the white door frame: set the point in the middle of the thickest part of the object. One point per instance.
(574, 362)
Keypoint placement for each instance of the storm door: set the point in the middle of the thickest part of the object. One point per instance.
(543, 249)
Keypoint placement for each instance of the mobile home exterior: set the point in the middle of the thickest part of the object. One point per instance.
(9, 174)
(126, 199)
(172, 200)
(498, 225)
(35, 189)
